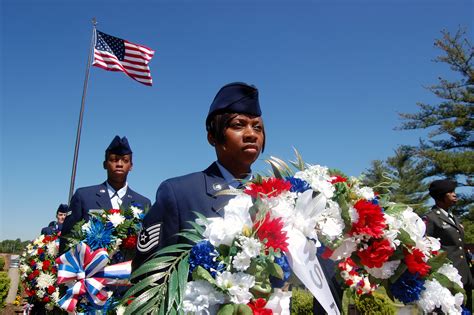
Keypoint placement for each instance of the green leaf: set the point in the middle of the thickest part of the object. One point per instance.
(172, 289)
(398, 272)
(445, 282)
(202, 274)
(183, 271)
(198, 228)
(275, 270)
(242, 309)
(153, 264)
(226, 309)
(143, 284)
(142, 300)
(405, 238)
(192, 237)
(437, 261)
(394, 209)
(174, 249)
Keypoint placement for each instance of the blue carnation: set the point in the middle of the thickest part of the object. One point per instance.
(99, 235)
(285, 266)
(298, 185)
(408, 287)
(205, 255)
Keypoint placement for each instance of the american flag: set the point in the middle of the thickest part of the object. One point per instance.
(116, 54)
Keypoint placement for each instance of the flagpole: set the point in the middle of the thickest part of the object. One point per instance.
(81, 114)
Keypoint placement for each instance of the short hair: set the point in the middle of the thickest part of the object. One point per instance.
(218, 123)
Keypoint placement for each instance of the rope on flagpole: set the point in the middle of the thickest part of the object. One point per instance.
(81, 114)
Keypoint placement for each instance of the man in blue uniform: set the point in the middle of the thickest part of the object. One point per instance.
(54, 227)
(114, 193)
(235, 130)
(442, 224)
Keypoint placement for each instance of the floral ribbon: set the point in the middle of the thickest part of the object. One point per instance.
(86, 273)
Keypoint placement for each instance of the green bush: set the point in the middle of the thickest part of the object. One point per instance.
(2, 263)
(301, 302)
(4, 286)
(376, 303)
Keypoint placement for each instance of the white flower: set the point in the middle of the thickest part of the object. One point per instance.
(136, 211)
(250, 246)
(329, 222)
(281, 206)
(40, 293)
(200, 296)
(345, 250)
(55, 296)
(236, 216)
(45, 280)
(86, 226)
(241, 261)
(237, 284)
(39, 265)
(386, 271)
(318, 178)
(452, 273)
(120, 310)
(353, 214)
(435, 295)
(52, 249)
(279, 302)
(364, 192)
(116, 219)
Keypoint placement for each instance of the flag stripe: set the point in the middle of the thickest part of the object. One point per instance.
(115, 54)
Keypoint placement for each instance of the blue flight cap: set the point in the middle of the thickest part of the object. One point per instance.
(63, 208)
(236, 97)
(119, 146)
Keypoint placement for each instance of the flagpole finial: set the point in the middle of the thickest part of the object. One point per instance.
(94, 21)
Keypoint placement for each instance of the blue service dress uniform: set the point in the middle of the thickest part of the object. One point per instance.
(176, 201)
(451, 236)
(97, 197)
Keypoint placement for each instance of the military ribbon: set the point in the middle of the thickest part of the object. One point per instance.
(86, 272)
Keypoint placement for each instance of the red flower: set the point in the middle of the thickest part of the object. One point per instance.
(271, 187)
(376, 254)
(32, 263)
(130, 242)
(271, 230)
(258, 307)
(338, 179)
(46, 265)
(51, 289)
(30, 292)
(40, 251)
(371, 221)
(327, 253)
(46, 299)
(112, 211)
(47, 239)
(415, 262)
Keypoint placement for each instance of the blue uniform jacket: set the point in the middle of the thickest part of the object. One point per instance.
(176, 201)
(96, 198)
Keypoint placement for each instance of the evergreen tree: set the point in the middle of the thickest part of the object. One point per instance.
(448, 151)
(401, 176)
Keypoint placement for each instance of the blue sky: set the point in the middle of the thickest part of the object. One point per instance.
(332, 77)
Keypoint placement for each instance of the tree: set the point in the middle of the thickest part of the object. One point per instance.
(401, 177)
(448, 151)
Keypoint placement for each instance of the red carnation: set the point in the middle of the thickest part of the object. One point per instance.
(130, 242)
(51, 289)
(327, 253)
(338, 179)
(47, 239)
(271, 187)
(271, 230)
(46, 265)
(32, 263)
(40, 251)
(46, 299)
(258, 307)
(376, 254)
(30, 292)
(415, 262)
(371, 221)
(112, 211)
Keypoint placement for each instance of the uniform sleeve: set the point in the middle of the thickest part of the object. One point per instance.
(160, 225)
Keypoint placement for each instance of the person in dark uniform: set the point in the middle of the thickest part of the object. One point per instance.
(114, 193)
(235, 130)
(54, 227)
(442, 224)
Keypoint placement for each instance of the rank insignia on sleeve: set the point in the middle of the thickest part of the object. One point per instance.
(149, 238)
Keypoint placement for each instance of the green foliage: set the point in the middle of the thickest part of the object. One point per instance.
(448, 149)
(4, 287)
(400, 178)
(468, 223)
(376, 303)
(13, 246)
(2, 263)
(301, 302)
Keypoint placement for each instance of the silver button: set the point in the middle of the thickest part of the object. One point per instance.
(460, 247)
(444, 223)
(437, 212)
(460, 239)
(216, 186)
(461, 256)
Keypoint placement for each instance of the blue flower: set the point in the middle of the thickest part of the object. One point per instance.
(205, 255)
(98, 234)
(408, 287)
(285, 266)
(298, 185)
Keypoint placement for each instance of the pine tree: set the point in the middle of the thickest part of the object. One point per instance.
(401, 176)
(448, 151)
